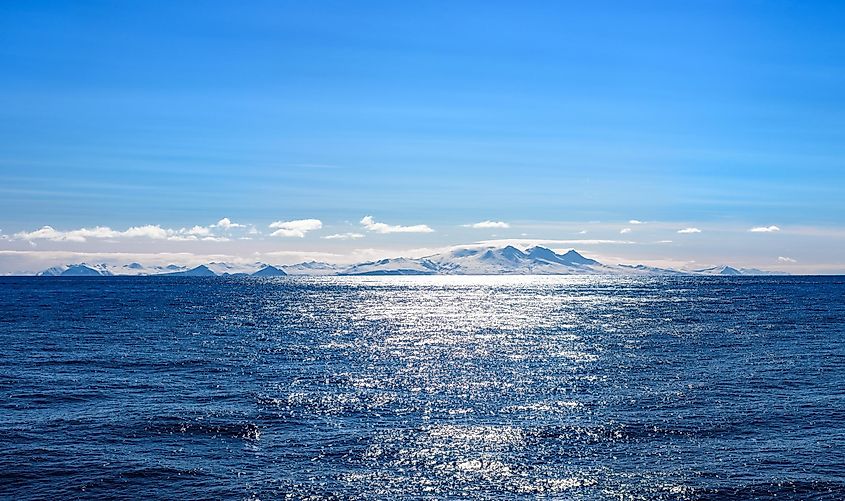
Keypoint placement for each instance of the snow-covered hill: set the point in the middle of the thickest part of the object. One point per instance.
(731, 271)
(200, 271)
(471, 260)
(311, 268)
(269, 271)
(77, 270)
(718, 270)
(396, 266)
(507, 260)
(512, 261)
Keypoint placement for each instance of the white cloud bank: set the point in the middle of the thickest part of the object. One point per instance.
(295, 229)
(687, 231)
(488, 224)
(198, 231)
(764, 229)
(636, 221)
(371, 225)
(154, 232)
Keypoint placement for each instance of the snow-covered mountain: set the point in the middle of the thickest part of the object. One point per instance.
(199, 271)
(219, 269)
(54, 271)
(139, 269)
(77, 270)
(507, 260)
(493, 261)
(311, 268)
(396, 266)
(269, 271)
(731, 271)
(641, 269)
(105, 270)
(718, 270)
(511, 261)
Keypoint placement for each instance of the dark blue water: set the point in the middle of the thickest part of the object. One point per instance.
(428, 387)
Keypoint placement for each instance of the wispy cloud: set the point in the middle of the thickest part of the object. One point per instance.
(295, 229)
(764, 229)
(624, 231)
(343, 236)
(371, 225)
(488, 224)
(636, 221)
(687, 231)
(784, 259)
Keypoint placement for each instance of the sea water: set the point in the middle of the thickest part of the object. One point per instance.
(423, 387)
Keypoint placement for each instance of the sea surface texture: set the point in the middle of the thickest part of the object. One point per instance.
(422, 387)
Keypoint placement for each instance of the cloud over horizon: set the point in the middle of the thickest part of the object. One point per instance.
(154, 232)
(227, 224)
(296, 228)
(371, 225)
(488, 224)
(764, 229)
(343, 236)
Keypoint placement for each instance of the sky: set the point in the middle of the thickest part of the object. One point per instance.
(674, 133)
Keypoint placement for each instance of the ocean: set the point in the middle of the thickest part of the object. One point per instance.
(585, 388)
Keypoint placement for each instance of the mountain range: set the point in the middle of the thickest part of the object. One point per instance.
(506, 260)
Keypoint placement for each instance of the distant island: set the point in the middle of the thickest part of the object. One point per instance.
(507, 260)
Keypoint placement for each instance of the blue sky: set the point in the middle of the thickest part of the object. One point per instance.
(556, 118)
